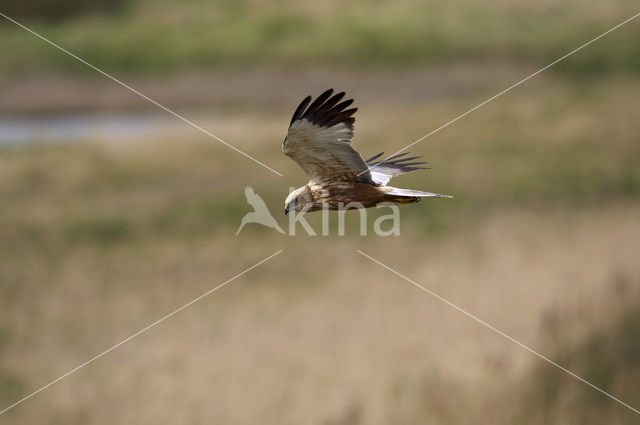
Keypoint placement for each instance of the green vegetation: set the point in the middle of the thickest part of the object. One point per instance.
(149, 36)
(59, 10)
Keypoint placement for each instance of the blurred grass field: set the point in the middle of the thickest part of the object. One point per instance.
(166, 36)
(100, 238)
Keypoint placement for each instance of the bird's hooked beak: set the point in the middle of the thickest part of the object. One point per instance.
(286, 210)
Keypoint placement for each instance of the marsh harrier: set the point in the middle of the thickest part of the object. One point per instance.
(319, 140)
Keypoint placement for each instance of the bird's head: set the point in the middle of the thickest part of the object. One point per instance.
(296, 200)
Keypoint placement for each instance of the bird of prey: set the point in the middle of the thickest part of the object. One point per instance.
(260, 213)
(319, 140)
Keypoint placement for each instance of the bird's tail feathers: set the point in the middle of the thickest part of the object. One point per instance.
(405, 196)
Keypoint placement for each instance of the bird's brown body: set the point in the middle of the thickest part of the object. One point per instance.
(343, 195)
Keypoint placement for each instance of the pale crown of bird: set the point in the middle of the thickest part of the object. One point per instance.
(293, 202)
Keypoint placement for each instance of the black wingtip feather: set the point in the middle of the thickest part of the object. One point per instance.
(335, 99)
(374, 157)
(320, 100)
(325, 110)
(400, 162)
(300, 109)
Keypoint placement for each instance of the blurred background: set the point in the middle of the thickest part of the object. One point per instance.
(114, 213)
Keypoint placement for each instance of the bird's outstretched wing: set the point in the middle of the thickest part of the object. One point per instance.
(319, 140)
(255, 200)
(383, 170)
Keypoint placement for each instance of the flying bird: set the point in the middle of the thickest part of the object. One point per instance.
(260, 213)
(319, 140)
